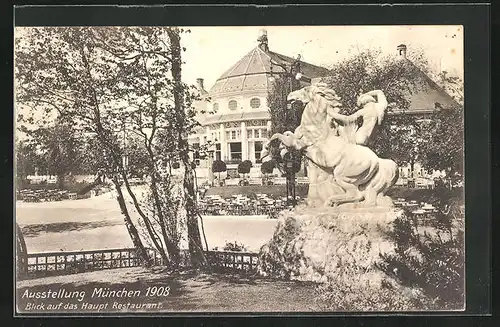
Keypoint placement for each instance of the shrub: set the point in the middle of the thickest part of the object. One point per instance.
(433, 260)
(343, 296)
(244, 167)
(229, 246)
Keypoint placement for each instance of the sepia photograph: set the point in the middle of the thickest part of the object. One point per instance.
(166, 169)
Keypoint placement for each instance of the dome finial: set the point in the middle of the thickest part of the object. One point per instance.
(262, 39)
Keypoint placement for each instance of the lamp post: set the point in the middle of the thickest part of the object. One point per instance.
(210, 152)
(293, 75)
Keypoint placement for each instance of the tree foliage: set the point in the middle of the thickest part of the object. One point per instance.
(244, 167)
(444, 149)
(284, 117)
(398, 78)
(27, 161)
(60, 147)
(219, 166)
(267, 167)
(108, 80)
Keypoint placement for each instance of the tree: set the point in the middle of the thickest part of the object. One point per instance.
(137, 156)
(60, 146)
(219, 166)
(398, 78)
(184, 113)
(109, 81)
(63, 72)
(267, 167)
(27, 159)
(21, 252)
(284, 116)
(453, 85)
(244, 167)
(444, 149)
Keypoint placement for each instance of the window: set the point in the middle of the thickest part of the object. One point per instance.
(217, 152)
(233, 135)
(196, 153)
(250, 133)
(261, 133)
(255, 103)
(258, 150)
(215, 107)
(232, 105)
(235, 150)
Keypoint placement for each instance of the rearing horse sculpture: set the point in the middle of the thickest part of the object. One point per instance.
(342, 172)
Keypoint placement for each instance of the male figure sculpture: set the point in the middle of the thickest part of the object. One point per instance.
(372, 113)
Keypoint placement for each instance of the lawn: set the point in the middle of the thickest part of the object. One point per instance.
(187, 292)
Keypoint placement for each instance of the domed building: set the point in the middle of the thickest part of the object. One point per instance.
(234, 114)
(235, 118)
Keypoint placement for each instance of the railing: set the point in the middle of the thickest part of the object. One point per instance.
(61, 263)
(46, 264)
(224, 261)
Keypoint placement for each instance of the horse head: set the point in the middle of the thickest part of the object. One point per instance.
(287, 138)
(315, 122)
(314, 93)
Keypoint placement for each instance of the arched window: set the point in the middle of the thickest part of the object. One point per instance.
(255, 103)
(232, 105)
(215, 107)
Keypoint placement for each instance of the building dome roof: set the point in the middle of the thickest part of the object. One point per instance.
(252, 72)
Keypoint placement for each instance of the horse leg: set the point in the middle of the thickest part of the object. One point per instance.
(384, 179)
(352, 193)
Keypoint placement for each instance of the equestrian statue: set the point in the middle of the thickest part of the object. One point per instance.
(343, 169)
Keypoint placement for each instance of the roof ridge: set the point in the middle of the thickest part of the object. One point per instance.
(246, 69)
(433, 83)
(233, 67)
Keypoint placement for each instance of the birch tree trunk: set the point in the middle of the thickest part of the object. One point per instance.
(132, 230)
(197, 256)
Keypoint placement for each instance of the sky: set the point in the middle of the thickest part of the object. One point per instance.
(210, 51)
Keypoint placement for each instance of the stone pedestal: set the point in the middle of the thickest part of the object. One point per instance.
(329, 245)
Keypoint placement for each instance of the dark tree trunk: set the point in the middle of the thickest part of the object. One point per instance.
(132, 230)
(60, 181)
(197, 256)
(22, 252)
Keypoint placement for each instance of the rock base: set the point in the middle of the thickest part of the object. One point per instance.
(330, 245)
